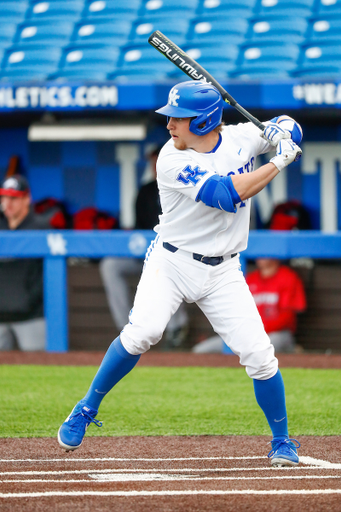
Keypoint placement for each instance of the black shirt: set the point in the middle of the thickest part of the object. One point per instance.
(148, 207)
(21, 279)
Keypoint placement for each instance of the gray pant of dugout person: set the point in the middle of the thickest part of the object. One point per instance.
(115, 273)
(28, 335)
(283, 341)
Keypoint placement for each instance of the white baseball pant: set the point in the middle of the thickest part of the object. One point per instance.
(220, 292)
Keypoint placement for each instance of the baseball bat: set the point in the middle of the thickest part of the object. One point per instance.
(195, 71)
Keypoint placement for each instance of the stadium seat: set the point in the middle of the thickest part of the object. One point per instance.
(143, 27)
(324, 31)
(259, 73)
(25, 75)
(13, 11)
(265, 30)
(276, 57)
(169, 8)
(218, 60)
(44, 34)
(68, 10)
(86, 73)
(37, 62)
(304, 8)
(328, 8)
(7, 33)
(206, 31)
(319, 58)
(93, 58)
(222, 9)
(111, 9)
(115, 32)
(2, 53)
(140, 58)
(142, 74)
(321, 70)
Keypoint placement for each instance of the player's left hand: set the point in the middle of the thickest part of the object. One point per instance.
(286, 153)
(273, 133)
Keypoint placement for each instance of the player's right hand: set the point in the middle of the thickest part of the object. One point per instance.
(273, 133)
(286, 153)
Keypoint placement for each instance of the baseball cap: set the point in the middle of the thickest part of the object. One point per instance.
(15, 186)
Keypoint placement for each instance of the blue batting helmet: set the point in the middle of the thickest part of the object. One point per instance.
(195, 99)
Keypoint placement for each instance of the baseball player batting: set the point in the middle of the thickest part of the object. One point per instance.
(206, 179)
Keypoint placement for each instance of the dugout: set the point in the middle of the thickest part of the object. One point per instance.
(94, 155)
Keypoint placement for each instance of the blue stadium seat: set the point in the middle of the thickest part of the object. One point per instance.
(111, 9)
(2, 53)
(303, 8)
(46, 34)
(206, 30)
(320, 70)
(277, 58)
(222, 9)
(265, 30)
(13, 11)
(107, 32)
(24, 74)
(140, 58)
(319, 58)
(90, 58)
(328, 8)
(86, 73)
(7, 33)
(68, 10)
(324, 31)
(260, 73)
(169, 8)
(142, 74)
(219, 60)
(143, 27)
(28, 62)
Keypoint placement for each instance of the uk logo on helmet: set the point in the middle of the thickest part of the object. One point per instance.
(173, 97)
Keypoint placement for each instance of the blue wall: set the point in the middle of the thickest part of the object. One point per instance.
(85, 174)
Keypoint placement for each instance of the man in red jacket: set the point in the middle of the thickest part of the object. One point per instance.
(279, 295)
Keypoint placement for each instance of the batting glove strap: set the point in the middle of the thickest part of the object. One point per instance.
(286, 153)
(273, 133)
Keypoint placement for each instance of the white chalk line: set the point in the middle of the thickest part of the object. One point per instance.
(160, 477)
(119, 459)
(169, 470)
(165, 493)
(310, 461)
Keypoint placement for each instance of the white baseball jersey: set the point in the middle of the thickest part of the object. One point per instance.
(193, 226)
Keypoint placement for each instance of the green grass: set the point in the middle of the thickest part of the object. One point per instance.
(35, 400)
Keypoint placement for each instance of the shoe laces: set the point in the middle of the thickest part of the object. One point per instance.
(287, 445)
(82, 417)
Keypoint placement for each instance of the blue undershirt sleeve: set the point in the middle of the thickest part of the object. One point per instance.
(219, 192)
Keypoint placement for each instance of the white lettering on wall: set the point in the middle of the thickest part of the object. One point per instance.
(58, 96)
(327, 154)
(127, 155)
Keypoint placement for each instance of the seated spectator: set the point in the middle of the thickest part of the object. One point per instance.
(279, 295)
(115, 271)
(22, 323)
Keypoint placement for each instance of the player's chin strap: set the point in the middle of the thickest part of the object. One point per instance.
(219, 192)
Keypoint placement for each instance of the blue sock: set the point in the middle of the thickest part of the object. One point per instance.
(116, 364)
(270, 396)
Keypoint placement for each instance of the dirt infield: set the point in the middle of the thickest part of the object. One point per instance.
(157, 474)
(168, 474)
(78, 358)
